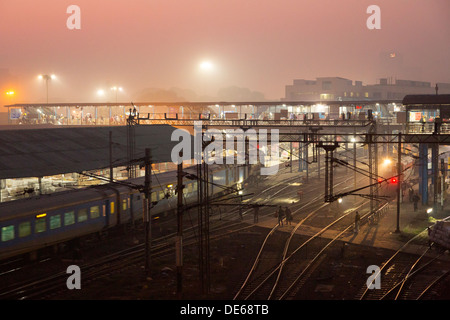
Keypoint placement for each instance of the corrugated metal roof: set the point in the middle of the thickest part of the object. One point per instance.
(49, 151)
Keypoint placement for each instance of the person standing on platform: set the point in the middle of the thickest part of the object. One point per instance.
(280, 215)
(288, 214)
(357, 218)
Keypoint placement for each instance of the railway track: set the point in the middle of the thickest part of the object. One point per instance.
(266, 279)
(405, 276)
(48, 284)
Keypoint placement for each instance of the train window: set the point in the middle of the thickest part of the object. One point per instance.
(82, 215)
(104, 210)
(69, 218)
(55, 221)
(39, 225)
(8, 233)
(189, 187)
(161, 195)
(24, 229)
(111, 207)
(124, 204)
(154, 197)
(95, 212)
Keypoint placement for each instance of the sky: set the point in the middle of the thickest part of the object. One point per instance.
(257, 44)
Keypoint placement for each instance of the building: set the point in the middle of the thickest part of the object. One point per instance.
(341, 89)
(325, 88)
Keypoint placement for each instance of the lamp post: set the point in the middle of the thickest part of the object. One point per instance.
(46, 78)
(116, 89)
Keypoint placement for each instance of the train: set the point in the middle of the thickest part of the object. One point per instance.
(46, 221)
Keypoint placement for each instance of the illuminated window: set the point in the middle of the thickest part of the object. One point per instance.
(8, 233)
(24, 229)
(39, 225)
(82, 215)
(111, 207)
(95, 212)
(69, 218)
(55, 221)
(124, 204)
(154, 197)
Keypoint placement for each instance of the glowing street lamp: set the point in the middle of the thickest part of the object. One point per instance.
(206, 66)
(10, 94)
(46, 78)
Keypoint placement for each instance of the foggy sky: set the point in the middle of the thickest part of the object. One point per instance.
(257, 44)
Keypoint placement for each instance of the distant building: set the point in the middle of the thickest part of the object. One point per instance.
(341, 89)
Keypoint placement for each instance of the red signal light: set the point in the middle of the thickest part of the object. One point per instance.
(394, 180)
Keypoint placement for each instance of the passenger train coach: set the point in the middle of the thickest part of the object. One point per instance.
(30, 224)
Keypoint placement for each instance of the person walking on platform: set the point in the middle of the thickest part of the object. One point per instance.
(416, 199)
(280, 215)
(423, 121)
(411, 194)
(357, 218)
(288, 215)
(256, 214)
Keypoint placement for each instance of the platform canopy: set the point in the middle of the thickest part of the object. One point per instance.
(426, 99)
(35, 151)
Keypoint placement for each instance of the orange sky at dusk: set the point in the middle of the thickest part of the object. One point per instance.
(258, 44)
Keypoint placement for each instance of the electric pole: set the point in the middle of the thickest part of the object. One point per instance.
(399, 180)
(179, 238)
(147, 205)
